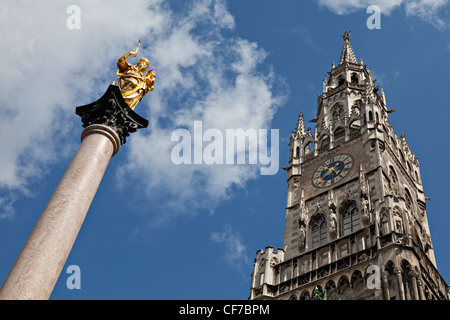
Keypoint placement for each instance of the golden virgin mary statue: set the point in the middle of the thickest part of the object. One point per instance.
(132, 81)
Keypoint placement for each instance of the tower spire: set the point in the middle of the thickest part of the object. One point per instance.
(347, 54)
(301, 125)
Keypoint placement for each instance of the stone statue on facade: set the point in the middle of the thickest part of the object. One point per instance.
(332, 222)
(365, 210)
(302, 236)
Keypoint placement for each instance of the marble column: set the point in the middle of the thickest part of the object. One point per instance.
(107, 122)
(420, 288)
(39, 264)
(401, 289)
(413, 276)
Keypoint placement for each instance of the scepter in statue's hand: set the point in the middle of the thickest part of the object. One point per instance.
(134, 54)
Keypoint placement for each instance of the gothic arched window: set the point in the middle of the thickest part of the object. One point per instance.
(408, 201)
(354, 78)
(309, 147)
(319, 234)
(350, 219)
(393, 181)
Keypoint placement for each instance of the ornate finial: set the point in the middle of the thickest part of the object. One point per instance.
(347, 54)
(346, 35)
(301, 125)
(133, 84)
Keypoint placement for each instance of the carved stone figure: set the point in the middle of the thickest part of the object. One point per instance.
(332, 222)
(365, 210)
(302, 236)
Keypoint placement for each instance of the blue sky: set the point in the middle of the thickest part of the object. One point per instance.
(160, 231)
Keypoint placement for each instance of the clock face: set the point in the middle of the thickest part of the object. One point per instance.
(333, 170)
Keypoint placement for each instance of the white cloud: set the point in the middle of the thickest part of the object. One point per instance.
(427, 10)
(204, 77)
(235, 251)
(48, 69)
(341, 7)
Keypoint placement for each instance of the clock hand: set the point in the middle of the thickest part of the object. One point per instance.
(328, 170)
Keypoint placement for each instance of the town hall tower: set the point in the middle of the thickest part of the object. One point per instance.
(356, 224)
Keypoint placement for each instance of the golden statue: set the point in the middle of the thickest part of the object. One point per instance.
(133, 84)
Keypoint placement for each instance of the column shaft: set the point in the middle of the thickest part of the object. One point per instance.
(39, 264)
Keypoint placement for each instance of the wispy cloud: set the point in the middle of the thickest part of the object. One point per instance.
(304, 35)
(47, 70)
(203, 73)
(427, 10)
(235, 251)
(209, 77)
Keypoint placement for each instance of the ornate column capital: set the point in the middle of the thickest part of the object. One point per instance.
(111, 110)
(412, 273)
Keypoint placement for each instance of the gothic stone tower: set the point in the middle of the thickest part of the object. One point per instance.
(356, 224)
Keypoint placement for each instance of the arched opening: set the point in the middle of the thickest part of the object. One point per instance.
(407, 281)
(392, 281)
(393, 181)
(318, 293)
(357, 281)
(332, 294)
(305, 295)
(408, 201)
(384, 222)
(309, 147)
(398, 220)
(344, 287)
(354, 78)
